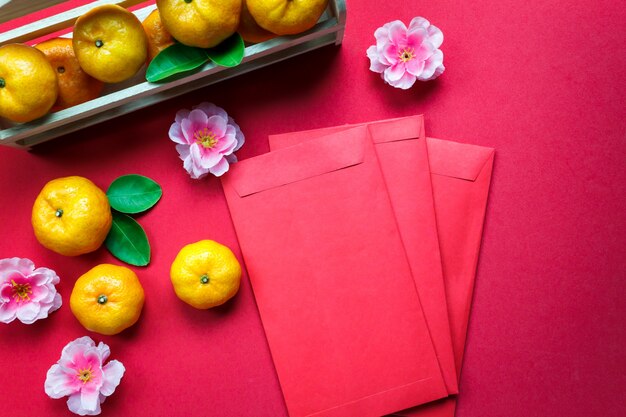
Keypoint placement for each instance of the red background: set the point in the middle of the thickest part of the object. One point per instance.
(541, 81)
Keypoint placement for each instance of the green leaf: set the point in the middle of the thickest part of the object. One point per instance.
(229, 53)
(175, 59)
(133, 193)
(127, 241)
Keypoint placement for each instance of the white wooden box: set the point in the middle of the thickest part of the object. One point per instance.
(136, 93)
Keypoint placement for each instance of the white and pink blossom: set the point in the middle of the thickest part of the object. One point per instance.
(82, 375)
(26, 293)
(403, 55)
(206, 138)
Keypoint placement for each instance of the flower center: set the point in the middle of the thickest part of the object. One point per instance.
(84, 375)
(407, 54)
(21, 291)
(206, 138)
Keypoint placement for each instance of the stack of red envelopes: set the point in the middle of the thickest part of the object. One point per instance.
(361, 243)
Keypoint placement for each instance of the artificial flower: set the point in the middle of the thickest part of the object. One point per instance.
(206, 138)
(82, 375)
(26, 293)
(403, 55)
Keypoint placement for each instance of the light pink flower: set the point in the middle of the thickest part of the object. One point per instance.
(404, 55)
(206, 139)
(81, 375)
(26, 293)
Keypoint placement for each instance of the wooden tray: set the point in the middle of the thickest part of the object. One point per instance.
(136, 93)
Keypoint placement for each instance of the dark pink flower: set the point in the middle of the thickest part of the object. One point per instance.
(206, 139)
(26, 293)
(81, 374)
(403, 55)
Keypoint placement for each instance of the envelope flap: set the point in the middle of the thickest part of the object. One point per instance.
(296, 163)
(397, 129)
(458, 160)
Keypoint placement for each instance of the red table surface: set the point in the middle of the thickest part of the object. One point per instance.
(541, 81)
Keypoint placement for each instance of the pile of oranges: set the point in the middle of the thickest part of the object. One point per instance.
(110, 45)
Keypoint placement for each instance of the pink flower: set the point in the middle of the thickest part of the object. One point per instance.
(80, 374)
(207, 139)
(26, 293)
(404, 55)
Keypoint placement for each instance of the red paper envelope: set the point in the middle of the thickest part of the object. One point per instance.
(461, 175)
(401, 149)
(331, 279)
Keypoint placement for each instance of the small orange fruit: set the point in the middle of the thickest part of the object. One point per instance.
(110, 43)
(71, 216)
(205, 274)
(201, 23)
(286, 17)
(75, 85)
(158, 37)
(107, 299)
(28, 84)
(250, 30)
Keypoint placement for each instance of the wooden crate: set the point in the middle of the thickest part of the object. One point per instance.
(136, 93)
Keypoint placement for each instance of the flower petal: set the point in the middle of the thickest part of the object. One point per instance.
(196, 121)
(74, 403)
(6, 291)
(375, 64)
(405, 82)
(8, 312)
(232, 158)
(433, 67)
(227, 144)
(56, 303)
(104, 351)
(211, 109)
(418, 22)
(89, 398)
(113, 373)
(415, 67)
(75, 347)
(397, 33)
(395, 72)
(183, 151)
(414, 39)
(217, 125)
(391, 54)
(435, 35)
(220, 168)
(176, 134)
(28, 313)
(241, 139)
(197, 171)
(205, 158)
(57, 383)
(22, 265)
(382, 34)
(182, 114)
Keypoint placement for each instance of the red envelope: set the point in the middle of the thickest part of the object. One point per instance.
(331, 279)
(461, 176)
(401, 148)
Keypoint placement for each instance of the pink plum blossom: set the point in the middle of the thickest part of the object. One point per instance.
(26, 293)
(403, 55)
(206, 138)
(82, 375)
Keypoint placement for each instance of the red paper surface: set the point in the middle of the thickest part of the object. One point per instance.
(401, 148)
(541, 81)
(332, 279)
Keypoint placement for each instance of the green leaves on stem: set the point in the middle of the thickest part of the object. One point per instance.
(127, 240)
(179, 58)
